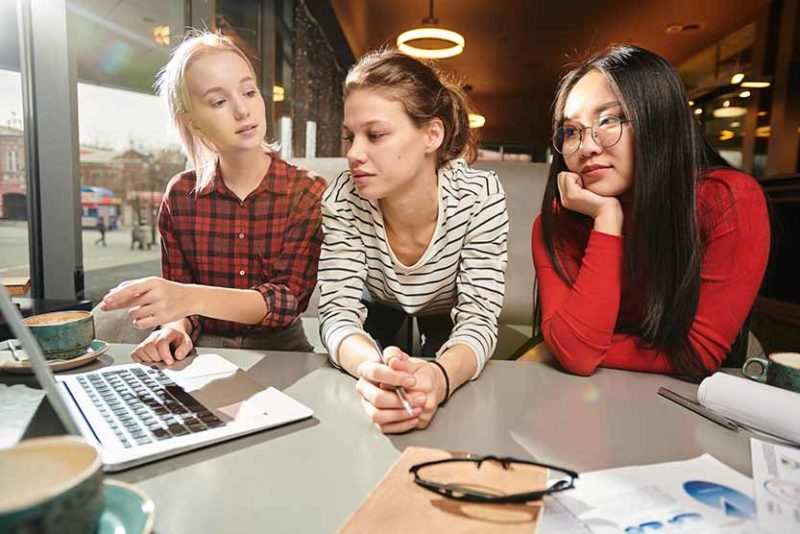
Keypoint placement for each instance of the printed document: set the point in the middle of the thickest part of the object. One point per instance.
(692, 496)
(776, 476)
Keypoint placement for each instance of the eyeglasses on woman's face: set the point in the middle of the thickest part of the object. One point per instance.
(606, 131)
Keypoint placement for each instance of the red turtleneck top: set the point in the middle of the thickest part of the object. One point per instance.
(579, 322)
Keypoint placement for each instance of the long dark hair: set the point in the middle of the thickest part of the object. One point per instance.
(663, 249)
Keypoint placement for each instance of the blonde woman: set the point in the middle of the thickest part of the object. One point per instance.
(240, 233)
(410, 231)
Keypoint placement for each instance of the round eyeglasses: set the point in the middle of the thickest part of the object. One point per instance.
(606, 132)
(490, 479)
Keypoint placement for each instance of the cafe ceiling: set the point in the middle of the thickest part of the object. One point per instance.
(516, 49)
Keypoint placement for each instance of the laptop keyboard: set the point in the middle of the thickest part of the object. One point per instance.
(144, 405)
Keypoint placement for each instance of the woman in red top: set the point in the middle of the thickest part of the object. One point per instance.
(240, 234)
(650, 248)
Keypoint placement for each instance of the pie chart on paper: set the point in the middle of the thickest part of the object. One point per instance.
(732, 502)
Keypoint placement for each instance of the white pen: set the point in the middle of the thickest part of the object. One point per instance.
(399, 390)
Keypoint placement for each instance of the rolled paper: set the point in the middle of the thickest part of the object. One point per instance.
(755, 405)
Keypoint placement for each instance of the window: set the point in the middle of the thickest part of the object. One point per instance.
(14, 260)
(12, 163)
(128, 152)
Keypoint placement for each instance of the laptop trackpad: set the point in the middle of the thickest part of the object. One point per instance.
(221, 387)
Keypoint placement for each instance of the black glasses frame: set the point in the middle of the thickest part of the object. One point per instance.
(460, 493)
(581, 129)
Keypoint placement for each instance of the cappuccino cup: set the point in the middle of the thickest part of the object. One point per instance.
(51, 485)
(62, 335)
(780, 369)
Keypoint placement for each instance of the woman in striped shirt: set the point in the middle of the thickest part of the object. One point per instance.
(410, 231)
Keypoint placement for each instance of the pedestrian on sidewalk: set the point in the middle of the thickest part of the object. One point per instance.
(101, 227)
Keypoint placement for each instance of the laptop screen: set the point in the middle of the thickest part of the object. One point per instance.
(37, 360)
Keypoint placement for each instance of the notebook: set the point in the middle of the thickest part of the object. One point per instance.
(398, 505)
(137, 413)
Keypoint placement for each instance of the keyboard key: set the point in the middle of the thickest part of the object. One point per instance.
(177, 430)
(195, 426)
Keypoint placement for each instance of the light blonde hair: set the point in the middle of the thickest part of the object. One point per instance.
(171, 86)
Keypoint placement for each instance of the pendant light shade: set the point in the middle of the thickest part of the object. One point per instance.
(476, 120)
(448, 43)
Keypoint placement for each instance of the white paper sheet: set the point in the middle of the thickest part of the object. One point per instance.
(776, 477)
(698, 495)
(18, 404)
(200, 370)
(203, 369)
(556, 519)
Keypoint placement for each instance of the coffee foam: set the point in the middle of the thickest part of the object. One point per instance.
(54, 318)
(34, 472)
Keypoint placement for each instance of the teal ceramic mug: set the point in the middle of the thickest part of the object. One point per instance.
(51, 484)
(62, 335)
(781, 369)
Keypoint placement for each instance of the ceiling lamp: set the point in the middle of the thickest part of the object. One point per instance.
(756, 82)
(476, 120)
(726, 112)
(744, 94)
(161, 35)
(737, 78)
(449, 43)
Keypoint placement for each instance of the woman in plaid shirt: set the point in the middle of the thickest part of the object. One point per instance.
(240, 234)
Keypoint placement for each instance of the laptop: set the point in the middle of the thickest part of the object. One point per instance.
(138, 413)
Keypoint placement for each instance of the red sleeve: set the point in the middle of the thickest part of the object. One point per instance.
(736, 249)
(734, 260)
(294, 273)
(578, 321)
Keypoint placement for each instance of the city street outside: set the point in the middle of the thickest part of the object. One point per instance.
(104, 267)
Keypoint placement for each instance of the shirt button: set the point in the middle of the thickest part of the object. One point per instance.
(241, 236)
(241, 273)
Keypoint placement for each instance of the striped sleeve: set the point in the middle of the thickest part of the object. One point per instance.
(342, 271)
(481, 278)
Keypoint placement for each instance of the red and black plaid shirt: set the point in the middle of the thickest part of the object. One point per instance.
(269, 241)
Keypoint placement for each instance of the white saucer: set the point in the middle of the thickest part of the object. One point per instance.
(9, 365)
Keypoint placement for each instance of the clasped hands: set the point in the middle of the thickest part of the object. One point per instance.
(422, 381)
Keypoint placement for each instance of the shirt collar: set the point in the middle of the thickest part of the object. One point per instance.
(274, 181)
